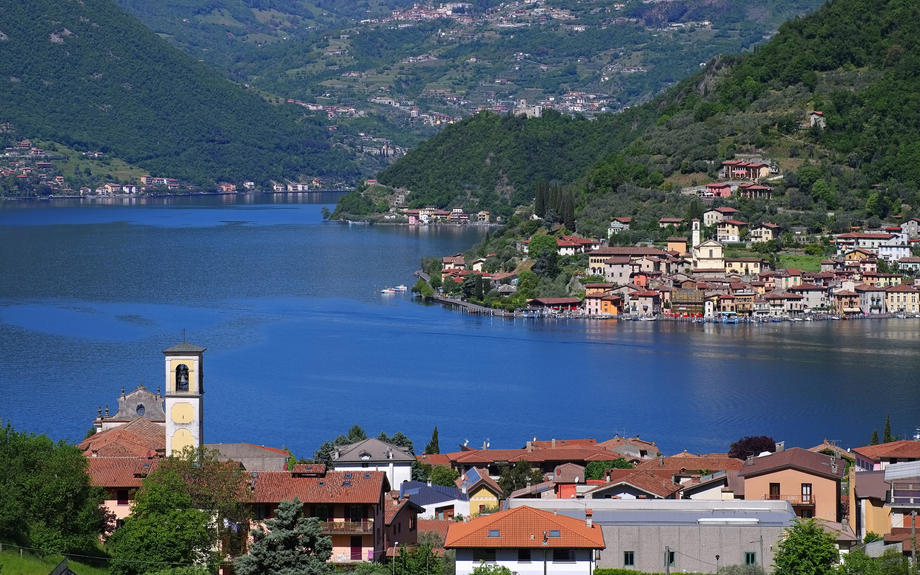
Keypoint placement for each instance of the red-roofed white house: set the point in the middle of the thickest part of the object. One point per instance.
(528, 541)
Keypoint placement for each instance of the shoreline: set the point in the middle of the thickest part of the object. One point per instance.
(154, 196)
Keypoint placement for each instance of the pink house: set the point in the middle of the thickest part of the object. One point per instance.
(718, 190)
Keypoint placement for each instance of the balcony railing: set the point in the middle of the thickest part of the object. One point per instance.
(355, 527)
(798, 499)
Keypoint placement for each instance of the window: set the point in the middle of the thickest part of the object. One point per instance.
(774, 491)
(554, 533)
(669, 559)
(523, 555)
(560, 555)
(750, 558)
(806, 494)
(483, 555)
(321, 512)
(260, 511)
(182, 377)
(495, 532)
(140, 409)
(122, 496)
(629, 559)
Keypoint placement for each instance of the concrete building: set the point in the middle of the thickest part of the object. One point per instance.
(688, 534)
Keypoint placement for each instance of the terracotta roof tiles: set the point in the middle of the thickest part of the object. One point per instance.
(523, 527)
(335, 487)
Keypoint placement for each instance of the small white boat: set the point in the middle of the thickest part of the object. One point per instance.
(400, 288)
(387, 291)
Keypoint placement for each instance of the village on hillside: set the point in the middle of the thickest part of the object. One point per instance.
(570, 504)
(872, 272)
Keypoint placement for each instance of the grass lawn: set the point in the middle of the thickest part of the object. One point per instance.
(802, 262)
(12, 564)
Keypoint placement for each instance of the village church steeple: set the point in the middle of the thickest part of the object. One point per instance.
(184, 397)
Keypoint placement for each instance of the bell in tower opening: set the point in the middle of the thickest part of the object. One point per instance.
(182, 378)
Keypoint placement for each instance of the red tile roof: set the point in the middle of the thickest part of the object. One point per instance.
(555, 443)
(434, 459)
(364, 487)
(797, 458)
(523, 527)
(687, 462)
(140, 438)
(119, 472)
(657, 484)
(439, 526)
(904, 448)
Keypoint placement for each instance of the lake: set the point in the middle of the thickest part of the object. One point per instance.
(301, 344)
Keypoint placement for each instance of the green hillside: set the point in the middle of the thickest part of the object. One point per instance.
(492, 162)
(90, 76)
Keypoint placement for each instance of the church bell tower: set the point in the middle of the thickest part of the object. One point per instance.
(184, 397)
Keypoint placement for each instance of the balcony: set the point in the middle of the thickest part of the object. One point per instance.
(346, 527)
(905, 495)
(799, 499)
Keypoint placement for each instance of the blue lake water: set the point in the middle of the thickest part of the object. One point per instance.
(301, 345)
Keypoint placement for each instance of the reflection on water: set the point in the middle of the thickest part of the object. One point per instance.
(301, 345)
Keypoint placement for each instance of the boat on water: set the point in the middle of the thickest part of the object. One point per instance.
(387, 291)
(400, 288)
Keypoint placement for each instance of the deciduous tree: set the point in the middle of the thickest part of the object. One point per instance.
(441, 475)
(807, 550)
(46, 498)
(517, 476)
(751, 445)
(163, 530)
(595, 469)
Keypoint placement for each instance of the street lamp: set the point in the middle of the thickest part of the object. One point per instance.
(395, 550)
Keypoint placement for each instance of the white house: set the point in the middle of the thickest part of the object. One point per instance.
(527, 541)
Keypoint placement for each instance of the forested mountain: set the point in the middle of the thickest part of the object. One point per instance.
(455, 59)
(87, 74)
(856, 61)
(491, 162)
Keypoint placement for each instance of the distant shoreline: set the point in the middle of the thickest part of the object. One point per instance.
(175, 195)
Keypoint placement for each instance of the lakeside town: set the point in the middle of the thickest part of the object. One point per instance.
(870, 272)
(566, 505)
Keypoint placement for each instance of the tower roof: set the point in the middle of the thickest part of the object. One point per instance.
(184, 348)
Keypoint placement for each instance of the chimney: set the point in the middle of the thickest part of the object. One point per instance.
(554, 444)
(588, 514)
(750, 460)
(484, 445)
(780, 446)
(429, 482)
(660, 461)
(529, 447)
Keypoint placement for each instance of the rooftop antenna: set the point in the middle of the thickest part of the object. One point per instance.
(183, 334)
(465, 442)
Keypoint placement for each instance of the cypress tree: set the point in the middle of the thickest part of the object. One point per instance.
(569, 212)
(539, 202)
(874, 440)
(433, 446)
(886, 434)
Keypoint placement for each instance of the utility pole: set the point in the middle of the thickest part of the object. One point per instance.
(667, 561)
(913, 536)
(762, 558)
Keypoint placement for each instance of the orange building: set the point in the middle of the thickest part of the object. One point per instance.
(809, 481)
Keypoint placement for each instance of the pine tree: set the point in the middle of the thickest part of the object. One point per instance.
(886, 434)
(874, 440)
(291, 544)
(433, 446)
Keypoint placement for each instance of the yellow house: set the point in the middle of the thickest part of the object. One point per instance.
(858, 254)
(678, 245)
(483, 491)
(868, 494)
(902, 298)
(746, 266)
